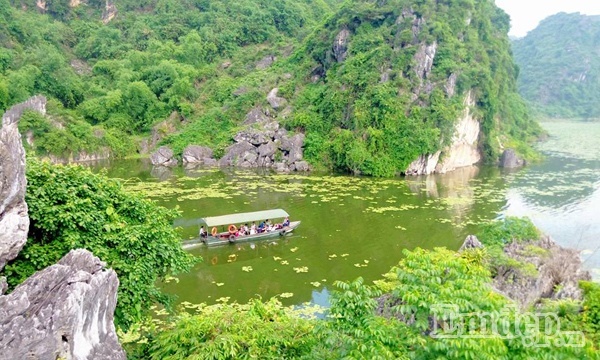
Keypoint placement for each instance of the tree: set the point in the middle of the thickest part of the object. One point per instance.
(71, 208)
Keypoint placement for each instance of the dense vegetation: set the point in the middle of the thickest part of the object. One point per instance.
(196, 62)
(363, 324)
(560, 70)
(115, 81)
(71, 208)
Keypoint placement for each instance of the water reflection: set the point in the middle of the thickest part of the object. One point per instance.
(562, 194)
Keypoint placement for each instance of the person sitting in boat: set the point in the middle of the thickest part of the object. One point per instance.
(286, 222)
(246, 229)
(203, 233)
(261, 226)
(253, 228)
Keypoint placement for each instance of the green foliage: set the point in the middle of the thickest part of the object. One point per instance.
(258, 330)
(590, 316)
(372, 113)
(425, 288)
(71, 208)
(559, 70)
(354, 331)
(507, 230)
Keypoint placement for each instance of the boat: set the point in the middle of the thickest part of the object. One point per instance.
(223, 229)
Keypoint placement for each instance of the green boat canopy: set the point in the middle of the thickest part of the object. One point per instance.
(241, 218)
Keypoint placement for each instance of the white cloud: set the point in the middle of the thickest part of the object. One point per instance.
(526, 14)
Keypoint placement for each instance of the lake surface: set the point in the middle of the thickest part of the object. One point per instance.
(355, 226)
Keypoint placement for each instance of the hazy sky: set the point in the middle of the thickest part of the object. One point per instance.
(526, 14)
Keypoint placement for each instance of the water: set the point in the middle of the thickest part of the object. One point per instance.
(353, 226)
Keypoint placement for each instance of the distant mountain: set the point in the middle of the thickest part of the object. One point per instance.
(560, 66)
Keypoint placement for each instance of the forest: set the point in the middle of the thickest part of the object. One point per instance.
(559, 67)
(111, 83)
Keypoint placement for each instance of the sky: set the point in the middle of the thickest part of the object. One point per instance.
(526, 14)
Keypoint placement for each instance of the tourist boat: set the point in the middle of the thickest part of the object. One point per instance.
(222, 229)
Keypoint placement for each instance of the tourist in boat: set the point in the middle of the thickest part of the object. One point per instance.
(246, 229)
(253, 229)
(203, 233)
(261, 226)
(286, 222)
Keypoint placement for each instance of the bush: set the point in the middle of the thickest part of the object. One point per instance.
(71, 208)
(508, 230)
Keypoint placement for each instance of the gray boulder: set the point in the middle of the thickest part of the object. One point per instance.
(281, 167)
(256, 115)
(195, 154)
(301, 166)
(558, 272)
(254, 137)
(265, 62)
(267, 150)
(471, 242)
(340, 45)
(297, 142)
(62, 312)
(164, 156)
(511, 160)
(236, 154)
(275, 101)
(14, 221)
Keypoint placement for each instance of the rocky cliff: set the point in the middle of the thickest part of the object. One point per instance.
(462, 151)
(62, 312)
(14, 221)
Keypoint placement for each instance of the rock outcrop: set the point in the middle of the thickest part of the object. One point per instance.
(275, 101)
(340, 45)
(265, 144)
(511, 160)
(265, 62)
(110, 11)
(558, 271)
(14, 222)
(163, 156)
(201, 155)
(463, 150)
(62, 312)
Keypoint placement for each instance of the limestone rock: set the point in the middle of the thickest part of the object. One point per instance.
(511, 160)
(62, 312)
(110, 11)
(265, 62)
(463, 150)
(471, 242)
(281, 167)
(14, 222)
(160, 131)
(267, 150)
(302, 166)
(297, 142)
(424, 60)
(251, 136)
(275, 101)
(236, 154)
(196, 154)
(340, 45)
(256, 115)
(163, 156)
(558, 273)
(424, 165)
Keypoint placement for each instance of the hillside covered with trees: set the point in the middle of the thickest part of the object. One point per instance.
(560, 66)
(390, 90)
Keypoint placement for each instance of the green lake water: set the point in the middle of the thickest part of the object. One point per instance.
(356, 226)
